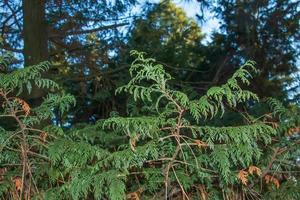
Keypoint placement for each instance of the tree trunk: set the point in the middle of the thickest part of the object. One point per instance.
(35, 41)
(35, 32)
(35, 44)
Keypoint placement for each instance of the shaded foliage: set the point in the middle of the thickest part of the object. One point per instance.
(166, 149)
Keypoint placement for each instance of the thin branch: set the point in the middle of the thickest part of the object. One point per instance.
(102, 28)
(180, 185)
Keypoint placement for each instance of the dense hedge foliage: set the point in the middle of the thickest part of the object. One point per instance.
(169, 146)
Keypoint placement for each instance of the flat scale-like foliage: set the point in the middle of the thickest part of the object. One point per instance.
(171, 148)
(23, 147)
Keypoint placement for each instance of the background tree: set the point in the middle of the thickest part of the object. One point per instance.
(264, 31)
(87, 44)
(60, 24)
(169, 36)
(79, 37)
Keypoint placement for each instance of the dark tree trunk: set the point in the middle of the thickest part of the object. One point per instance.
(35, 32)
(35, 43)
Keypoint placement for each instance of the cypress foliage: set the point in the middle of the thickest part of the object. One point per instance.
(168, 148)
(24, 160)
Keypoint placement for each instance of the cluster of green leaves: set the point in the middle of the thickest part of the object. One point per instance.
(169, 147)
(24, 147)
(283, 160)
(165, 142)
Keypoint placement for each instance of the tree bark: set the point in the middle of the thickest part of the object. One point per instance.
(35, 44)
(34, 32)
